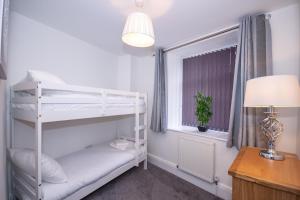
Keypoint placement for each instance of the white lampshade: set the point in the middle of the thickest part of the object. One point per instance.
(277, 91)
(138, 30)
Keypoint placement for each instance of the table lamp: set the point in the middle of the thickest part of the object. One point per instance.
(272, 92)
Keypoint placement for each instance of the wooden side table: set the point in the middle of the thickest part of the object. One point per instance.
(257, 178)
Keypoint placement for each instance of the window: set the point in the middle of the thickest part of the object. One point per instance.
(211, 74)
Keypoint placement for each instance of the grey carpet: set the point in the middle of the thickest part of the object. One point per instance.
(151, 184)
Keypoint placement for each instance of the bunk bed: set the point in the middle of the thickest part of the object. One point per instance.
(42, 102)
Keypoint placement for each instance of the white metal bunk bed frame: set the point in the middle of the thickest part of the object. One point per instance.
(38, 119)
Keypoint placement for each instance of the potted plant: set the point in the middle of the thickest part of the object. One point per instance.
(203, 110)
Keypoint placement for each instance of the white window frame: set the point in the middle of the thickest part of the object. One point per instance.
(174, 63)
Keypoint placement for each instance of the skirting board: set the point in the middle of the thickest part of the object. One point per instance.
(221, 190)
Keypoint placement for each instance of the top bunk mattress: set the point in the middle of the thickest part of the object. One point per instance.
(71, 96)
(65, 105)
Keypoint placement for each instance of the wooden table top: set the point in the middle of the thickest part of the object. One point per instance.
(283, 175)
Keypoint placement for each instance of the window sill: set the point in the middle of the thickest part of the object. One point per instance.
(211, 134)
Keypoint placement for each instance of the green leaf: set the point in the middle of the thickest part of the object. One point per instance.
(203, 110)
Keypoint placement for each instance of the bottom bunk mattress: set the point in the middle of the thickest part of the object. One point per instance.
(86, 167)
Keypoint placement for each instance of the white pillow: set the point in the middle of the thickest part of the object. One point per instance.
(42, 76)
(24, 159)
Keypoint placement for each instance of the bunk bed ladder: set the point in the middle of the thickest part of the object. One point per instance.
(137, 125)
(145, 130)
(38, 142)
(11, 145)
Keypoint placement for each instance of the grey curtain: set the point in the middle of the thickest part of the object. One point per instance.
(159, 109)
(253, 60)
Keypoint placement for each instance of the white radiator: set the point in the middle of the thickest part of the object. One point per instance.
(197, 157)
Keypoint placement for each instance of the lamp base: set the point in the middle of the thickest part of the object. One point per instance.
(271, 155)
(271, 128)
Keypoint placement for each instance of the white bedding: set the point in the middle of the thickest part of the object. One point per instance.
(85, 167)
(110, 102)
(70, 94)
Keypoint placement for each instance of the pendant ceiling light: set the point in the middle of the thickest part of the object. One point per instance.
(138, 30)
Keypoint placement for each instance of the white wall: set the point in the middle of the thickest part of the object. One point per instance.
(2, 142)
(124, 72)
(33, 45)
(285, 26)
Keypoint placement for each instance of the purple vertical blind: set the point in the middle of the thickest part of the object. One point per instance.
(212, 74)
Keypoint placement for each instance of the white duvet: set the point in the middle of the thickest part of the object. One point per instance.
(116, 102)
(65, 94)
(85, 167)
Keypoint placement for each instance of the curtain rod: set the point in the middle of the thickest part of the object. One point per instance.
(211, 51)
(211, 35)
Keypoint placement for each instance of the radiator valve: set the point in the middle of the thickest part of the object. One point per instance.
(216, 180)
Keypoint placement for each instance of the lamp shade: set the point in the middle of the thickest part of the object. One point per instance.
(277, 91)
(138, 30)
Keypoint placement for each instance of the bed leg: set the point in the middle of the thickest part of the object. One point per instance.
(145, 164)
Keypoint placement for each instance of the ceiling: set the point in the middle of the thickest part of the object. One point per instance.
(100, 22)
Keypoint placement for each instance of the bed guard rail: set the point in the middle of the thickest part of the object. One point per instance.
(27, 86)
